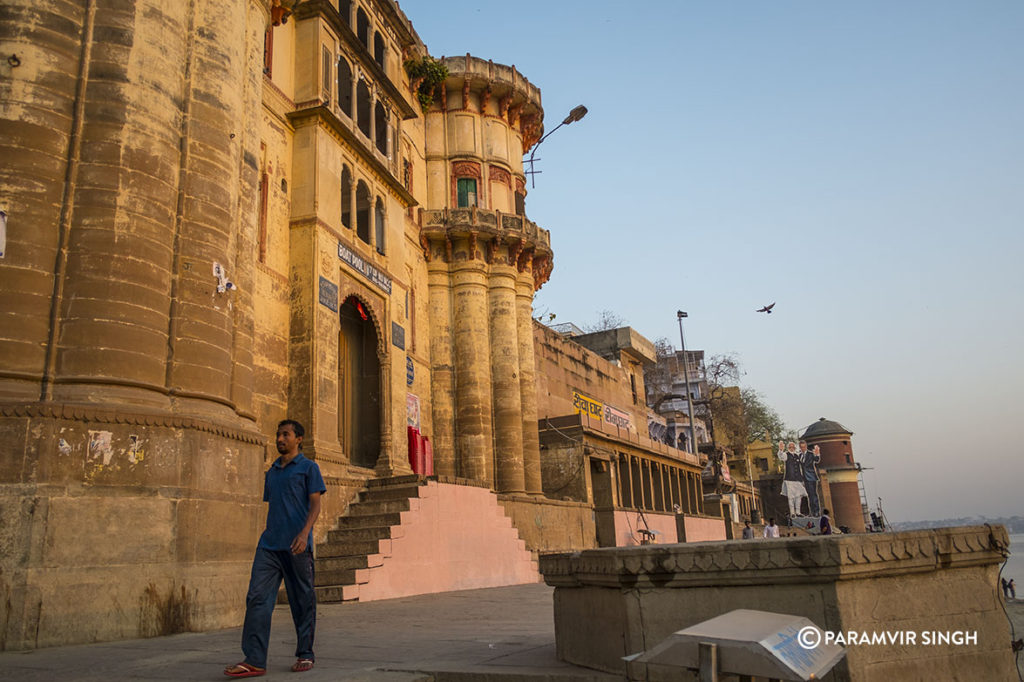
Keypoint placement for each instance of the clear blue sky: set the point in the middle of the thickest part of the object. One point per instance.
(859, 163)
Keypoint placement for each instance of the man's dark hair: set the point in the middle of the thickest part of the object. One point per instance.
(771, 521)
(296, 428)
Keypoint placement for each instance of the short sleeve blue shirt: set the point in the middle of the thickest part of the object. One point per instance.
(287, 489)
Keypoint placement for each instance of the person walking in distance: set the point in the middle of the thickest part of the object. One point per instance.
(771, 530)
(292, 488)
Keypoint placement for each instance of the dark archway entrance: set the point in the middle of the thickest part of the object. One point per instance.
(358, 385)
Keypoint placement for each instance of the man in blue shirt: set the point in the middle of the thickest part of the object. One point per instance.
(292, 487)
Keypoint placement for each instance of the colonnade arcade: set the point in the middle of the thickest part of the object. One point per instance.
(649, 485)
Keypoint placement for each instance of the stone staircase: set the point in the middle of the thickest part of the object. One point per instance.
(409, 535)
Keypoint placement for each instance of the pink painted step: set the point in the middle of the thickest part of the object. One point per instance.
(447, 537)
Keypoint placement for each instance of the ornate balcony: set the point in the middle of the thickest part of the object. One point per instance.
(528, 244)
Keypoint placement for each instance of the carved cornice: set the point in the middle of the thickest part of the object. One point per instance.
(92, 414)
(778, 561)
(518, 100)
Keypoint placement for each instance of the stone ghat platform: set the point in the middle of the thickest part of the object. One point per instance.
(614, 602)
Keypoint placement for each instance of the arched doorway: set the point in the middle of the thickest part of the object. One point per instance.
(358, 385)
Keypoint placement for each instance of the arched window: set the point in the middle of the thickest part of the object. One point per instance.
(381, 123)
(363, 27)
(378, 221)
(378, 48)
(344, 87)
(346, 197)
(363, 211)
(363, 107)
(345, 10)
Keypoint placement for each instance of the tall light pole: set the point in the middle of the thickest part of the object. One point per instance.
(686, 378)
(576, 114)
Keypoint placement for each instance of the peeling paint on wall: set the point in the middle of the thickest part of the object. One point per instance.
(99, 446)
(3, 233)
(63, 447)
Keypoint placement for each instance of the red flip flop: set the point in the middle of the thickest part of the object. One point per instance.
(302, 665)
(243, 669)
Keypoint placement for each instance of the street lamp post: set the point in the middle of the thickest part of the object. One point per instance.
(686, 379)
(576, 114)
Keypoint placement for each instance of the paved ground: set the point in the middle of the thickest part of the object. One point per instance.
(500, 634)
(503, 634)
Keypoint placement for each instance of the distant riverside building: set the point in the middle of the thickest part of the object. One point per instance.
(843, 472)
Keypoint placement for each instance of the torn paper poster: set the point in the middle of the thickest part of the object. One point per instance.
(223, 283)
(100, 446)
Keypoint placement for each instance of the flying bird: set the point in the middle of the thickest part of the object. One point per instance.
(767, 308)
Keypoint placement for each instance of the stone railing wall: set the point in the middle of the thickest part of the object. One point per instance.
(613, 602)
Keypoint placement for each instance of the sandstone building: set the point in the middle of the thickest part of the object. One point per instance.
(224, 213)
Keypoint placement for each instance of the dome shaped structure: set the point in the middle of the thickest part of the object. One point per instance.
(825, 427)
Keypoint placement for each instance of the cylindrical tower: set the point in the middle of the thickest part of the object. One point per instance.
(483, 119)
(129, 134)
(843, 473)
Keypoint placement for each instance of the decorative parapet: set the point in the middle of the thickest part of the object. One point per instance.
(518, 100)
(779, 561)
(529, 246)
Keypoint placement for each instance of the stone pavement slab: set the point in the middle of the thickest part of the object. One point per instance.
(502, 634)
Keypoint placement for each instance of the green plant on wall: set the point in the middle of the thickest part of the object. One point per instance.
(426, 74)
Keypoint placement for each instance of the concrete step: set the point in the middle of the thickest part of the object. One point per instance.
(395, 480)
(396, 492)
(344, 563)
(381, 507)
(355, 548)
(337, 593)
(369, 520)
(355, 576)
(362, 534)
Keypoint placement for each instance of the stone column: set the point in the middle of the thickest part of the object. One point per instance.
(527, 379)
(508, 415)
(473, 427)
(373, 130)
(355, 121)
(391, 461)
(442, 375)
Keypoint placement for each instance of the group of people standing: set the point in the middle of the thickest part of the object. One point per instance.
(801, 477)
(772, 530)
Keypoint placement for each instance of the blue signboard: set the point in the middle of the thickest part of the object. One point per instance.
(410, 371)
(329, 294)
